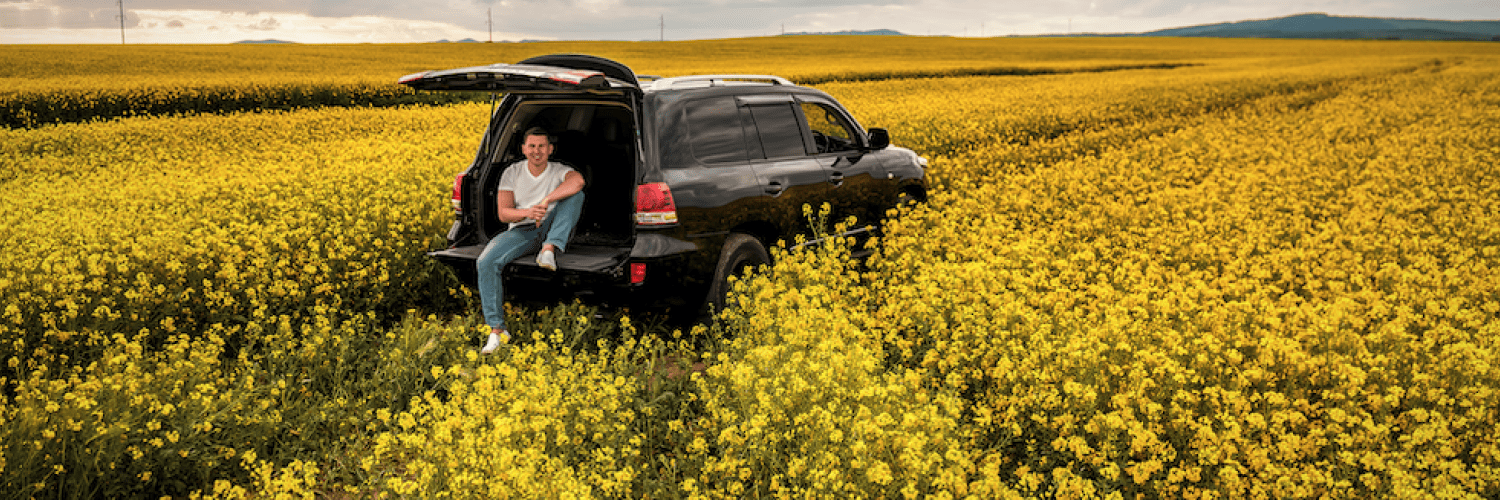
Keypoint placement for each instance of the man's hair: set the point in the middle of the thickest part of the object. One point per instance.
(539, 131)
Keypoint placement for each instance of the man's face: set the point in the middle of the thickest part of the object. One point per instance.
(537, 149)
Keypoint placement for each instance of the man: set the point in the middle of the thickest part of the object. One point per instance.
(541, 199)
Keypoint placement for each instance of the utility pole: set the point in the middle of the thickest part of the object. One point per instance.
(663, 27)
(489, 18)
(122, 21)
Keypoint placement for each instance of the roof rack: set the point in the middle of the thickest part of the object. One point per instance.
(717, 81)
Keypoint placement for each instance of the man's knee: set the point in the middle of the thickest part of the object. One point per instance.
(573, 205)
(501, 250)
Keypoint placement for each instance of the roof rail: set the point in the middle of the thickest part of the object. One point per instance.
(718, 80)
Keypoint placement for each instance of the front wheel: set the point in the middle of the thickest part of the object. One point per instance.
(741, 254)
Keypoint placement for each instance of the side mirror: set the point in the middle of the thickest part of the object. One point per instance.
(879, 138)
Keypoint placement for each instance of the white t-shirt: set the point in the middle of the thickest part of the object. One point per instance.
(531, 190)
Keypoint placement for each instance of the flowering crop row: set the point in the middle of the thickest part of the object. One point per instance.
(1292, 297)
(92, 103)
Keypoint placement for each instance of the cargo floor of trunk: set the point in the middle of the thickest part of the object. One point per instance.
(579, 258)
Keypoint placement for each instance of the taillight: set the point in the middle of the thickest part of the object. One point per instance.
(654, 205)
(458, 193)
(637, 272)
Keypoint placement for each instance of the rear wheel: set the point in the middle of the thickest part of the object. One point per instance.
(741, 254)
(908, 198)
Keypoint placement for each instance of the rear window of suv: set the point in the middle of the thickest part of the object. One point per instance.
(728, 130)
(780, 133)
(718, 135)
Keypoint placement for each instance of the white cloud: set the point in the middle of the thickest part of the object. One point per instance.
(267, 24)
(202, 26)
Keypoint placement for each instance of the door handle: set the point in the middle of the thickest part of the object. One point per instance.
(836, 178)
(774, 188)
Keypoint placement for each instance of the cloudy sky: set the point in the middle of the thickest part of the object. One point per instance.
(400, 21)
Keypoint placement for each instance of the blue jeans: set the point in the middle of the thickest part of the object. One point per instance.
(509, 245)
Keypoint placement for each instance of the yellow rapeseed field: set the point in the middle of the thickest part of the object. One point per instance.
(44, 84)
(1268, 269)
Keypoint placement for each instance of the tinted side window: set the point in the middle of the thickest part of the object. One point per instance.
(780, 133)
(831, 132)
(714, 125)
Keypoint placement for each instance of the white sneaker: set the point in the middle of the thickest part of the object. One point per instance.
(495, 340)
(547, 260)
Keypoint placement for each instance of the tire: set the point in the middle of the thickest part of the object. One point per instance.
(741, 253)
(907, 198)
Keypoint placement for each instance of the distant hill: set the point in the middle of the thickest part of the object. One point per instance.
(1318, 25)
(471, 40)
(849, 32)
(268, 40)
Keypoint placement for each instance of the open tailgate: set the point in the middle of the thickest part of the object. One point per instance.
(517, 78)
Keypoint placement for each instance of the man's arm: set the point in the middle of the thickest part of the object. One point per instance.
(506, 202)
(571, 185)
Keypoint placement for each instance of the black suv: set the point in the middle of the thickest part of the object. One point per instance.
(688, 179)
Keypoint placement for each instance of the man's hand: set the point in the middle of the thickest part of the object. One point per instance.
(537, 213)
